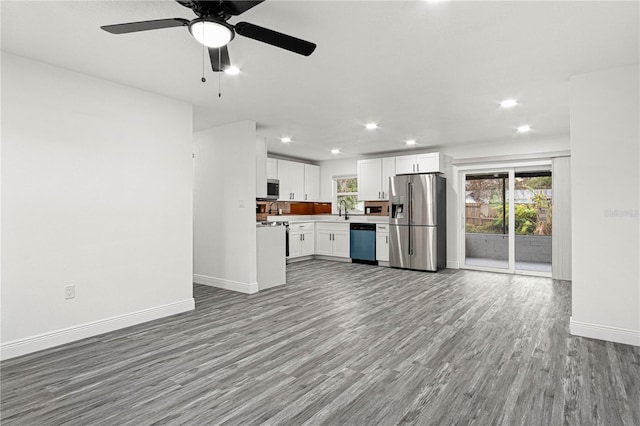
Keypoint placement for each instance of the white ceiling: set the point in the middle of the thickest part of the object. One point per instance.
(430, 71)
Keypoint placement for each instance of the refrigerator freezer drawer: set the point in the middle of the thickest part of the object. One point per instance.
(413, 247)
(424, 246)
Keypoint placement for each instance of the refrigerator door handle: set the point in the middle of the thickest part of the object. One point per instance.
(410, 214)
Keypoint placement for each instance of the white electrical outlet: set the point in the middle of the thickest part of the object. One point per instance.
(70, 292)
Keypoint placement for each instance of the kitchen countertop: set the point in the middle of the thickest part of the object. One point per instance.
(328, 219)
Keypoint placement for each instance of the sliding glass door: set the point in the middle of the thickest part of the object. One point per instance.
(507, 220)
(532, 201)
(486, 230)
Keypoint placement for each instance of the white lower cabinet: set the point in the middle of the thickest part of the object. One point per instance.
(332, 239)
(382, 242)
(301, 240)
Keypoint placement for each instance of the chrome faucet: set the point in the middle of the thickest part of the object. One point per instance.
(271, 204)
(346, 211)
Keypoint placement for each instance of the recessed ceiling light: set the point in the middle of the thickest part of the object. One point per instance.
(411, 142)
(285, 139)
(371, 126)
(232, 70)
(524, 129)
(335, 151)
(508, 103)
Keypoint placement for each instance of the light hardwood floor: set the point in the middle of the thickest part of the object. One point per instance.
(341, 344)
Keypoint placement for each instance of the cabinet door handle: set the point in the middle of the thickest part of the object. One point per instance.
(305, 197)
(418, 166)
(302, 237)
(387, 239)
(414, 167)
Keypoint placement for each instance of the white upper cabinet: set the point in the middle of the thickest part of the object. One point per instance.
(292, 180)
(428, 163)
(419, 163)
(283, 177)
(311, 182)
(370, 179)
(296, 176)
(373, 178)
(388, 170)
(272, 168)
(261, 164)
(405, 164)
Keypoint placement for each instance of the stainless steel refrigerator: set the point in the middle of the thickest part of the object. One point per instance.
(417, 222)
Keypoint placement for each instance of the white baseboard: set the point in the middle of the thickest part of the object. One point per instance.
(248, 288)
(605, 332)
(71, 334)
(299, 259)
(332, 258)
(452, 264)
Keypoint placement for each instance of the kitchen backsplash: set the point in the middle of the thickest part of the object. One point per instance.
(289, 208)
(371, 208)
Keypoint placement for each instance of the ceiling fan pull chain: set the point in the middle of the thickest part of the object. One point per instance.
(203, 79)
(219, 72)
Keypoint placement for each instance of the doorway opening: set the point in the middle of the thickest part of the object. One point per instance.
(507, 220)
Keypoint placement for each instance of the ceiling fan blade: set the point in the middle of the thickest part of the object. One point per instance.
(275, 38)
(132, 27)
(219, 58)
(240, 6)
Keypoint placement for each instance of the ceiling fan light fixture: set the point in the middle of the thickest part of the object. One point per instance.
(210, 32)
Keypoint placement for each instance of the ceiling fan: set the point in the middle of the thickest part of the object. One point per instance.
(212, 29)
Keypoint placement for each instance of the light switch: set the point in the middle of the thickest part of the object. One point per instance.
(241, 204)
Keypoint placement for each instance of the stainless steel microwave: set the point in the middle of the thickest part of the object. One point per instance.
(273, 189)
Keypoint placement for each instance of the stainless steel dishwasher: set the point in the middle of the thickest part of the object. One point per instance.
(362, 241)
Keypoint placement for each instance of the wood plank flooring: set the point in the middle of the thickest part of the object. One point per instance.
(340, 344)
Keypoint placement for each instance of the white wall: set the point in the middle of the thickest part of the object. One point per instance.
(224, 207)
(605, 189)
(520, 148)
(96, 193)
